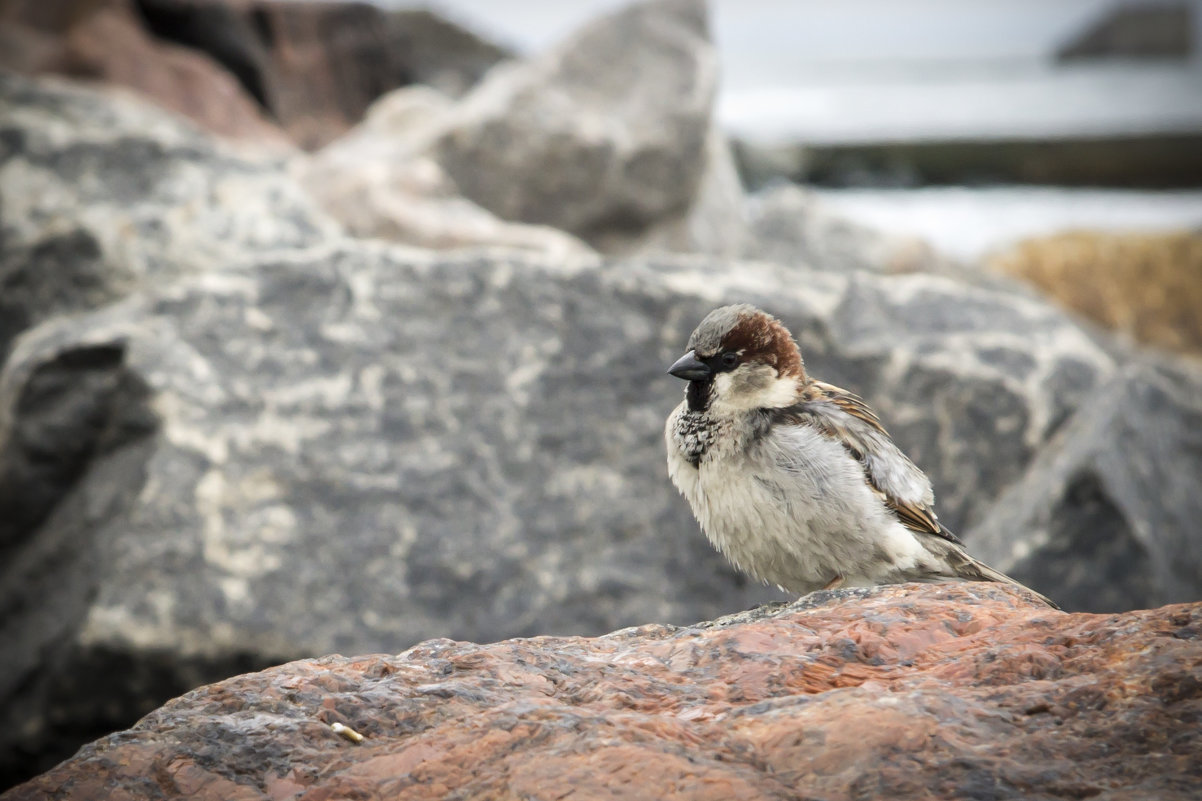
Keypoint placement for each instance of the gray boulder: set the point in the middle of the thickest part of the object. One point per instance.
(61, 271)
(545, 153)
(379, 180)
(1107, 518)
(608, 136)
(103, 193)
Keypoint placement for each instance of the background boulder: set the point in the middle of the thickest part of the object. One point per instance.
(104, 194)
(328, 61)
(607, 136)
(1109, 512)
(260, 71)
(625, 157)
(379, 181)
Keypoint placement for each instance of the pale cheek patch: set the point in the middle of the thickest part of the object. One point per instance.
(753, 387)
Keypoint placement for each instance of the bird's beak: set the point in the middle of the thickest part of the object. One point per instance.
(690, 368)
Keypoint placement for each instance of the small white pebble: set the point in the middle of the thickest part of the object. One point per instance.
(347, 732)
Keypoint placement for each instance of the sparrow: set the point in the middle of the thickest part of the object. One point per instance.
(794, 480)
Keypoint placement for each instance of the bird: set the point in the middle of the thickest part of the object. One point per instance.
(796, 481)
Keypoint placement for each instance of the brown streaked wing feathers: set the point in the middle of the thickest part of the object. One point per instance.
(914, 516)
(849, 402)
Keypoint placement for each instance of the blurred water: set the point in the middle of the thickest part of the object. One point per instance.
(969, 222)
(972, 102)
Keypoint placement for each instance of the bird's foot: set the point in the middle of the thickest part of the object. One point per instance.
(833, 583)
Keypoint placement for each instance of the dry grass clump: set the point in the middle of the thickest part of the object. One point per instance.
(1148, 286)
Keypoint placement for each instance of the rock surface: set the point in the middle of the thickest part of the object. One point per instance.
(608, 136)
(1108, 514)
(327, 62)
(104, 194)
(262, 71)
(548, 152)
(106, 41)
(938, 691)
(378, 182)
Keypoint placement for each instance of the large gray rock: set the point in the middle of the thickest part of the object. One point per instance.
(1108, 516)
(608, 136)
(103, 193)
(379, 180)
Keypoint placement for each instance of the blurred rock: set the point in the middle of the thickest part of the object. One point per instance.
(222, 29)
(58, 273)
(608, 136)
(313, 68)
(1160, 30)
(1145, 286)
(328, 61)
(377, 182)
(103, 194)
(917, 691)
(1107, 516)
(104, 40)
(789, 225)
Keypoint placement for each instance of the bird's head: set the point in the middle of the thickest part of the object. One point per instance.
(739, 359)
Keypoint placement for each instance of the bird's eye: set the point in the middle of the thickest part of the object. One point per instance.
(730, 359)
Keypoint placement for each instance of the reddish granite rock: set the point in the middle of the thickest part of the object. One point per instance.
(247, 69)
(328, 61)
(105, 41)
(936, 691)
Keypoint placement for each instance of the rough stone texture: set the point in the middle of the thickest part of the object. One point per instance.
(607, 136)
(1108, 516)
(939, 691)
(102, 194)
(105, 40)
(377, 181)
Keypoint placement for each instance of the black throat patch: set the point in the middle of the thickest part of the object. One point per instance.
(699, 394)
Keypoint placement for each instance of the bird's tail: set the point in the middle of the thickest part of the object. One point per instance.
(959, 564)
(982, 572)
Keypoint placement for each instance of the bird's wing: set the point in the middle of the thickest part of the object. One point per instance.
(902, 486)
